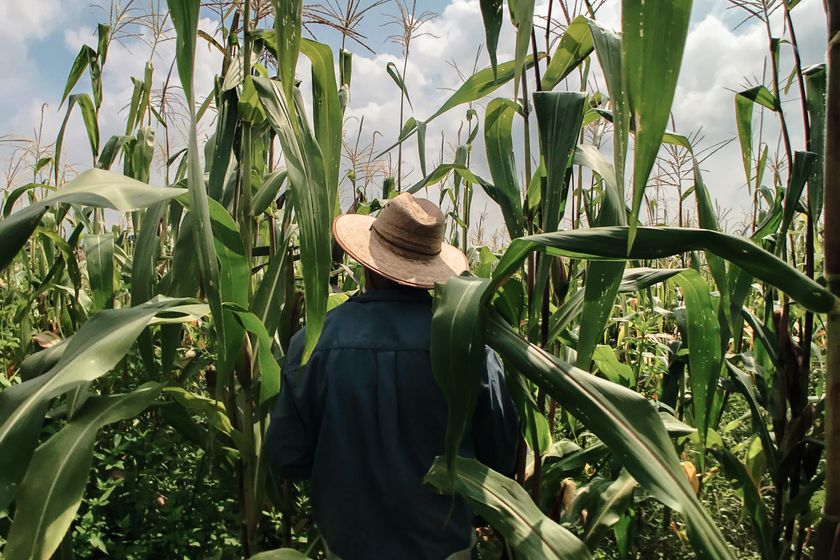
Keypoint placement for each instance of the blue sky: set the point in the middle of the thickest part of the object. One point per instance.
(41, 39)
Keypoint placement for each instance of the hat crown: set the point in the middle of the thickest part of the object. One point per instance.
(413, 227)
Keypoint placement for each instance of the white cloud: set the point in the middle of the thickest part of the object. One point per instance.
(717, 60)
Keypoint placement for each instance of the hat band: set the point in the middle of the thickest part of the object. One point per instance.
(405, 248)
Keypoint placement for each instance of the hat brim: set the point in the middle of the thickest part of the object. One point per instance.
(352, 232)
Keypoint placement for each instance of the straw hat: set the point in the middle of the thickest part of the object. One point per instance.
(404, 243)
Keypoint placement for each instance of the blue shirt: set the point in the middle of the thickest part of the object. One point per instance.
(364, 419)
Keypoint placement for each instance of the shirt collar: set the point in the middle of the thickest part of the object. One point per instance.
(394, 294)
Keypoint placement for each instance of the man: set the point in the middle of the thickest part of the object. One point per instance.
(364, 419)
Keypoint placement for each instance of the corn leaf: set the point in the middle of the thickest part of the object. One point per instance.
(311, 201)
(99, 252)
(491, 14)
(506, 506)
(288, 22)
(53, 487)
(815, 87)
(326, 112)
(704, 350)
(624, 420)
(458, 354)
(95, 187)
(609, 243)
(652, 49)
(94, 350)
(574, 47)
(498, 143)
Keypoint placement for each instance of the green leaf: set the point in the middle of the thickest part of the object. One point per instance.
(815, 87)
(491, 14)
(394, 72)
(93, 351)
(652, 47)
(288, 22)
(270, 297)
(53, 487)
(458, 354)
(803, 163)
(184, 14)
(311, 201)
(326, 112)
(606, 361)
(609, 50)
(624, 420)
(743, 118)
(574, 47)
(757, 512)
(99, 250)
(762, 96)
(606, 507)
(95, 187)
(481, 84)
(498, 143)
(559, 116)
(269, 369)
(609, 243)
(506, 506)
(91, 127)
(86, 54)
(704, 350)
(522, 17)
(268, 190)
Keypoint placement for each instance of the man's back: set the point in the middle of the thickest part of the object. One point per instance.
(364, 419)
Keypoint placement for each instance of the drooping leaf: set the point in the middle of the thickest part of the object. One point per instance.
(498, 143)
(574, 46)
(53, 487)
(624, 420)
(762, 96)
(458, 354)
(605, 243)
(652, 45)
(95, 187)
(815, 87)
(394, 72)
(743, 118)
(491, 14)
(80, 64)
(305, 166)
(95, 349)
(506, 506)
(704, 350)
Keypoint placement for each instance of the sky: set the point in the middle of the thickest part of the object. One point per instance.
(40, 39)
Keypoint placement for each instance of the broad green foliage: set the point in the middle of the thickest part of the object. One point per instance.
(669, 380)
